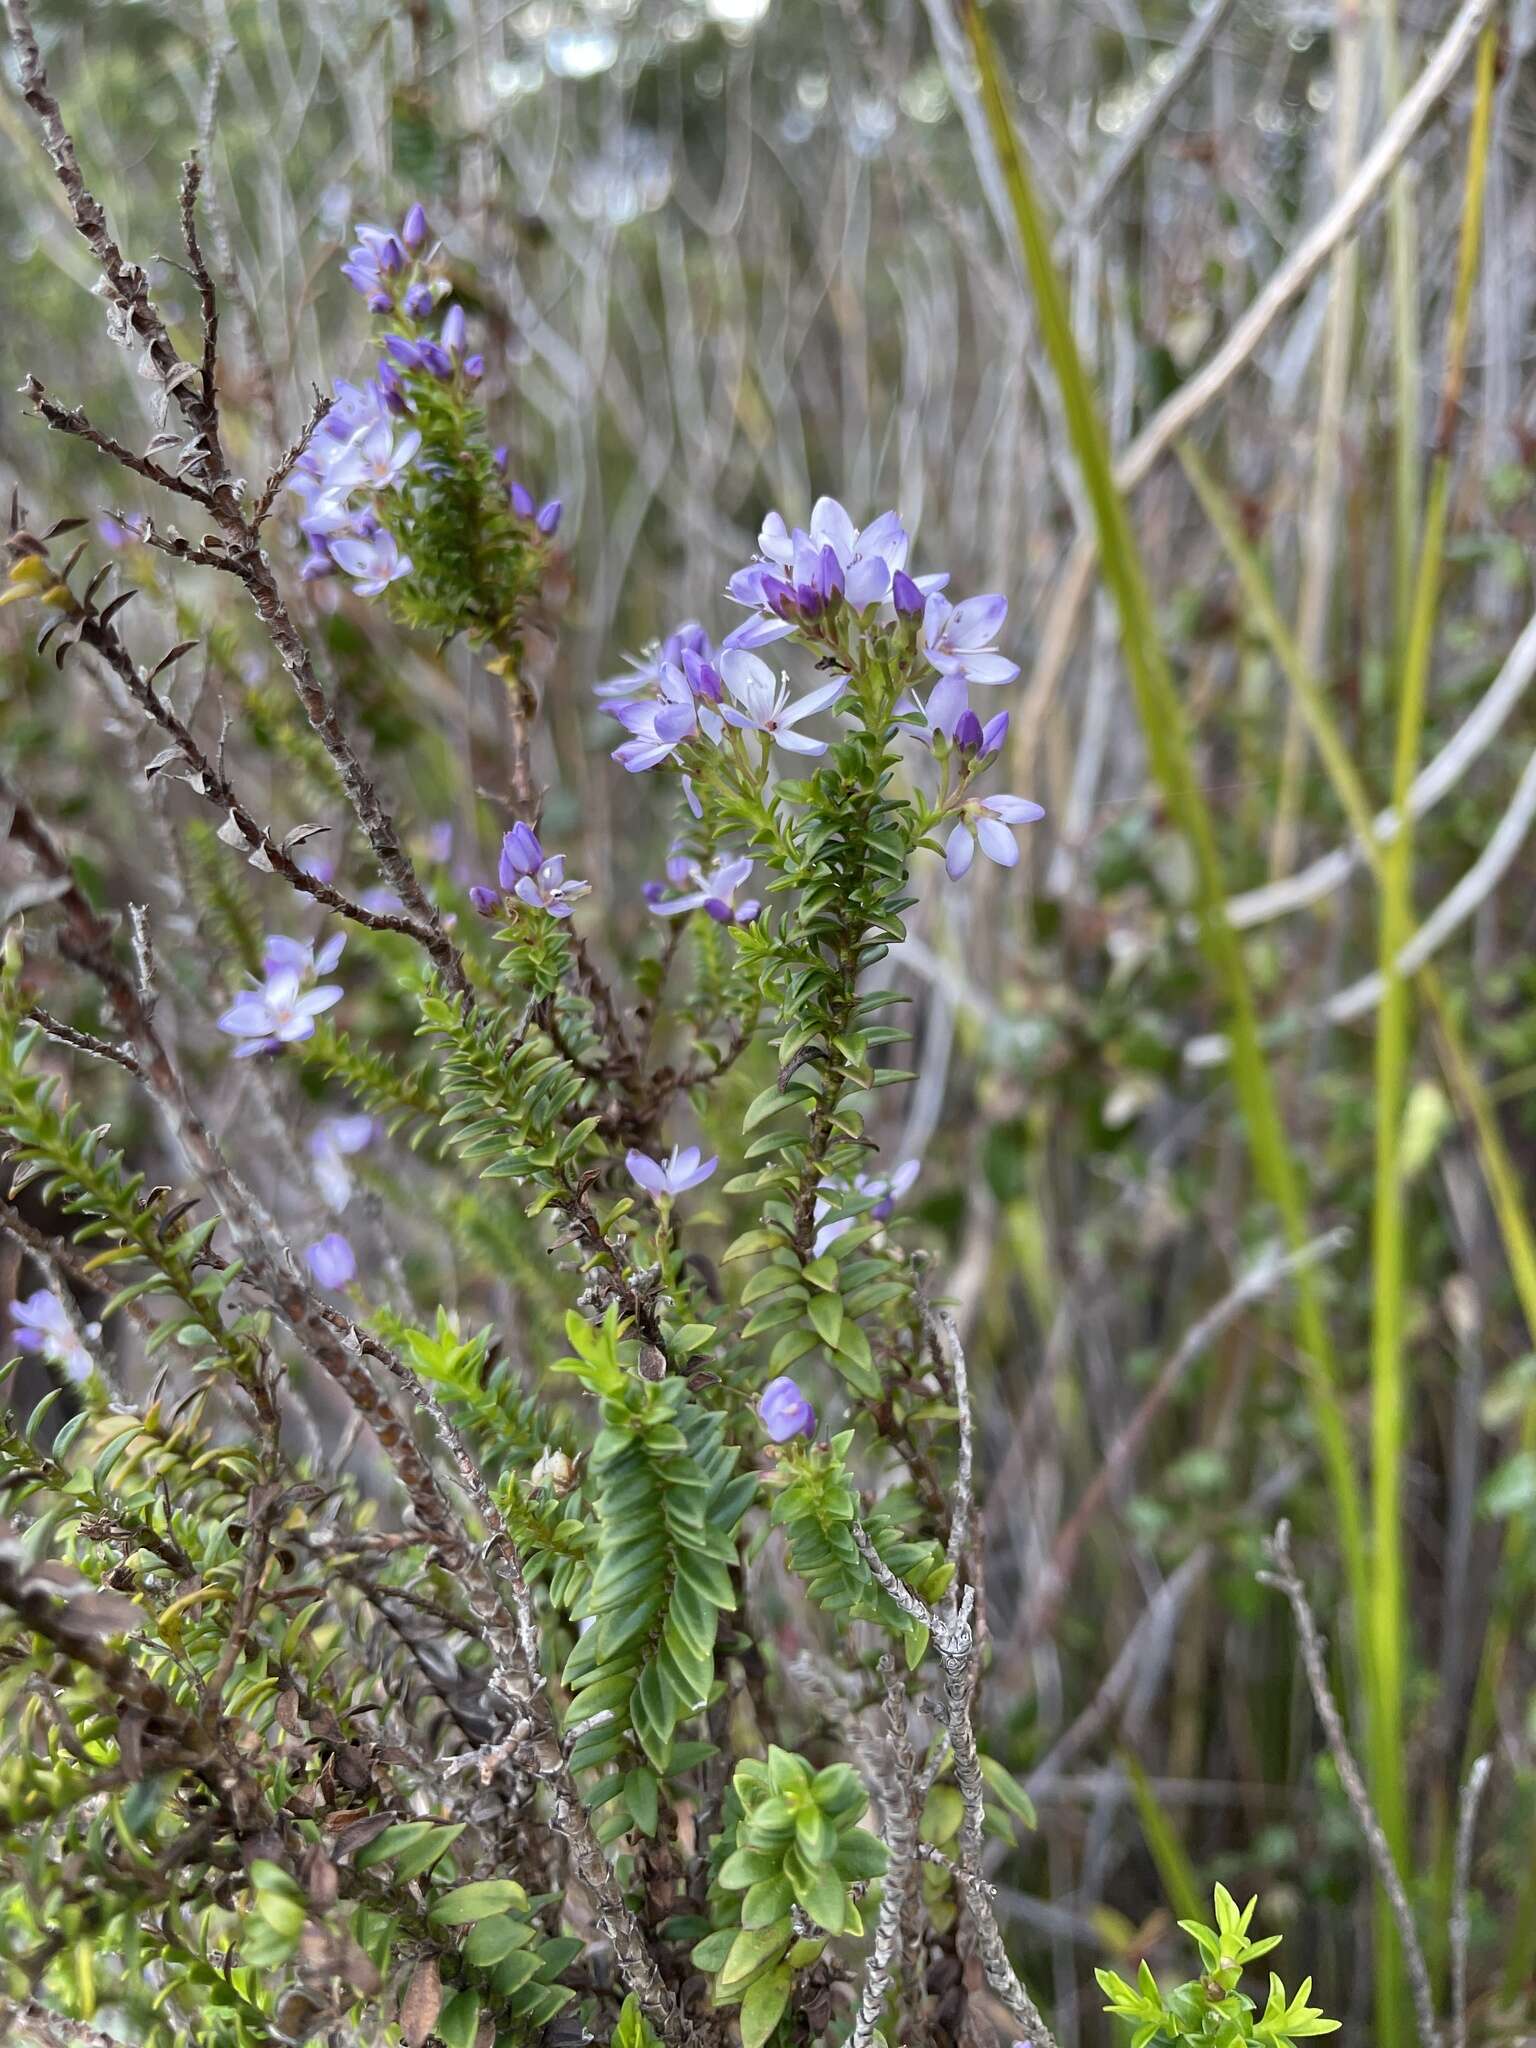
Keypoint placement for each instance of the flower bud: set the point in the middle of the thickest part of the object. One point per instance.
(906, 596)
(485, 901)
(522, 501)
(554, 1471)
(413, 230)
(548, 520)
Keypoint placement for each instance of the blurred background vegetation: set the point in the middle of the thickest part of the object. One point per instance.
(727, 255)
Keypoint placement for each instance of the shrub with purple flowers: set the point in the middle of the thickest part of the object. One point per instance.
(494, 1560)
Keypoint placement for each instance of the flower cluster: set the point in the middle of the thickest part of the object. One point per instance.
(525, 873)
(846, 594)
(283, 1007)
(369, 445)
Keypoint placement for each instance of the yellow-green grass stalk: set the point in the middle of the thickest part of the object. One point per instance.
(1387, 1661)
(1174, 1867)
(1162, 719)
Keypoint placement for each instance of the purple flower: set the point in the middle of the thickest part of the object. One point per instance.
(485, 902)
(372, 264)
(40, 1322)
(521, 854)
(880, 1191)
(280, 955)
(671, 1176)
(689, 638)
(990, 818)
(534, 878)
(860, 563)
(332, 1261)
(959, 638)
(413, 230)
(548, 520)
(372, 564)
(333, 1142)
(454, 331)
(660, 725)
(283, 1010)
(714, 892)
(784, 1411)
(763, 705)
(521, 499)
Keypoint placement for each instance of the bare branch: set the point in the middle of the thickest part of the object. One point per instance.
(1286, 1579)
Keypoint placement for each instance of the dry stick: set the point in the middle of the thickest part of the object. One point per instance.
(1461, 1894)
(52, 2029)
(1262, 1278)
(946, 1341)
(193, 392)
(340, 1353)
(1178, 413)
(1469, 742)
(896, 1771)
(1284, 1577)
(950, 1628)
(1197, 39)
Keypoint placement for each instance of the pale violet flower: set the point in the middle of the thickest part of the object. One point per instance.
(526, 872)
(988, 819)
(960, 639)
(334, 1142)
(867, 558)
(281, 1012)
(280, 955)
(683, 708)
(784, 1411)
(714, 892)
(763, 704)
(332, 1261)
(284, 1008)
(41, 1323)
(874, 1195)
(645, 670)
(373, 563)
(682, 1170)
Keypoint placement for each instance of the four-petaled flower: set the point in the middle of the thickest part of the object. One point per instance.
(284, 1008)
(714, 892)
(682, 1170)
(40, 1322)
(988, 819)
(784, 1411)
(645, 671)
(332, 1261)
(960, 641)
(683, 707)
(525, 871)
(373, 563)
(763, 704)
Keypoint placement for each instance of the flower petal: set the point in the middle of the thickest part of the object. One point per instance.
(997, 842)
(959, 852)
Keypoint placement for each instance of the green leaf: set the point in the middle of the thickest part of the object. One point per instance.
(470, 1902)
(459, 2021)
(412, 1846)
(493, 1941)
(752, 1950)
(826, 1314)
(763, 2005)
